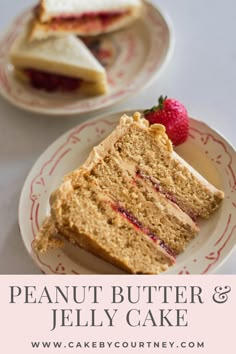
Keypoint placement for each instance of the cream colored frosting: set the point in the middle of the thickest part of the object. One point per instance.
(201, 179)
(100, 151)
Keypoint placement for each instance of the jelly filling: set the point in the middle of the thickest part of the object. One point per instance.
(103, 18)
(139, 226)
(168, 195)
(52, 82)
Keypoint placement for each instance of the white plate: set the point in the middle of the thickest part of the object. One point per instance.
(205, 150)
(141, 50)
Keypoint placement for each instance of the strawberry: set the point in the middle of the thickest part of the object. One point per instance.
(173, 115)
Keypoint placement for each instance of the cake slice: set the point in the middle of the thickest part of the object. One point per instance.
(133, 202)
(83, 17)
(53, 64)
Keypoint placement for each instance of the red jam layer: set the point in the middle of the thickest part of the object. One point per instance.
(140, 227)
(91, 15)
(52, 82)
(87, 19)
(168, 195)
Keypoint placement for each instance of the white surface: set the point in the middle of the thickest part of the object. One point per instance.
(202, 74)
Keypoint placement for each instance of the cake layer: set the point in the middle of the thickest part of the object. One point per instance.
(168, 173)
(119, 182)
(108, 233)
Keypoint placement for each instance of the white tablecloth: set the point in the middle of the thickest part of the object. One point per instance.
(201, 73)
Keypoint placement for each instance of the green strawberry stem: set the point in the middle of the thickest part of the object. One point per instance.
(159, 107)
(161, 101)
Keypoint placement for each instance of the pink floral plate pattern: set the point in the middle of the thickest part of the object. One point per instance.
(140, 52)
(205, 150)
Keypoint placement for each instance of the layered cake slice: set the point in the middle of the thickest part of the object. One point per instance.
(58, 64)
(133, 202)
(83, 17)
